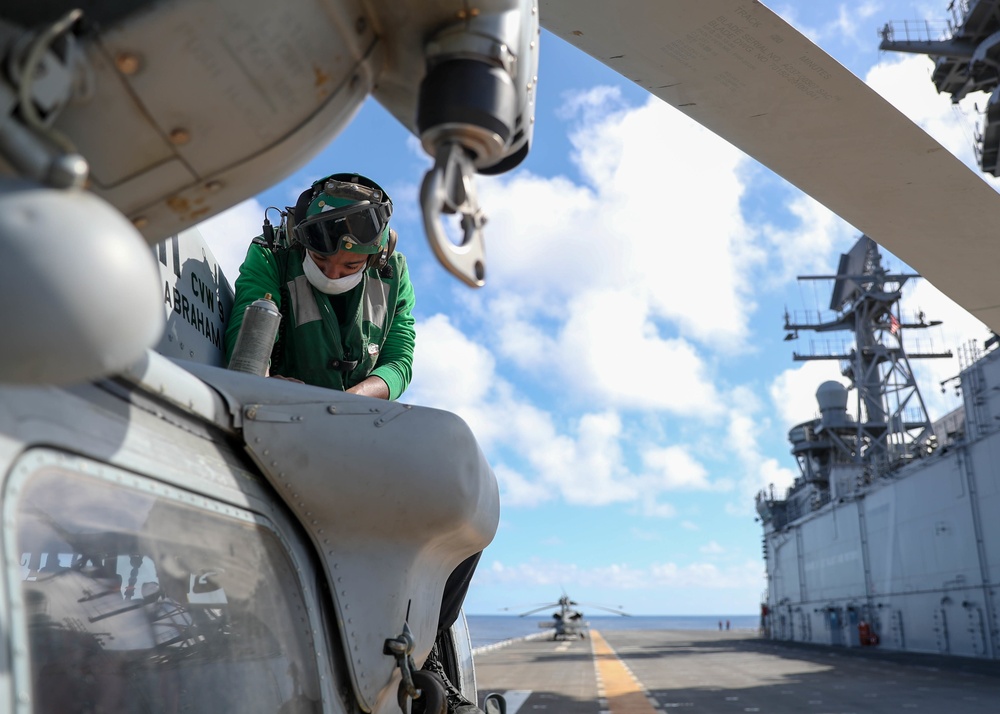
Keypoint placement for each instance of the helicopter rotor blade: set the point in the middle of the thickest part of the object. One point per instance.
(538, 609)
(617, 611)
(612, 610)
(521, 607)
(741, 71)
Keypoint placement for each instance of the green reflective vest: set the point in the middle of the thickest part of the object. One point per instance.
(378, 336)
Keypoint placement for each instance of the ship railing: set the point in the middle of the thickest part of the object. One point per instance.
(809, 318)
(925, 347)
(918, 30)
(826, 349)
(969, 354)
(812, 319)
(959, 11)
(915, 348)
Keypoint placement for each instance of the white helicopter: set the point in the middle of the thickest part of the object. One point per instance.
(179, 537)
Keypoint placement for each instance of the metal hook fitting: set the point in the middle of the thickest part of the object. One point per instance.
(449, 188)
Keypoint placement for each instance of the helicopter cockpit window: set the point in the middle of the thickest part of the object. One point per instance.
(138, 602)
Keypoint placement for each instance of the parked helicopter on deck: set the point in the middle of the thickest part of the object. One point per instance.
(567, 622)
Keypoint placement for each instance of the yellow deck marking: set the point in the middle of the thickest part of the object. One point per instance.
(624, 694)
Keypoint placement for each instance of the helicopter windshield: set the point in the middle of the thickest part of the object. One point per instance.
(137, 602)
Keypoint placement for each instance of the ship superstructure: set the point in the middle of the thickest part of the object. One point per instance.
(883, 539)
(965, 48)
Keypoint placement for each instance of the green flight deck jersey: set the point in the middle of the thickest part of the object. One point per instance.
(333, 341)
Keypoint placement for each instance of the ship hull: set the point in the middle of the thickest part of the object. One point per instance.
(908, 562)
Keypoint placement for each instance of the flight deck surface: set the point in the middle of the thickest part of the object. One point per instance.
(643, 671)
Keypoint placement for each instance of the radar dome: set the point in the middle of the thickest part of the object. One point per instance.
(832, 398)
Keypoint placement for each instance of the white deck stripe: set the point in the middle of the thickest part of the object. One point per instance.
(515, 698)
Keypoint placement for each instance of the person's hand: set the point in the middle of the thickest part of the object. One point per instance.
(287, 379)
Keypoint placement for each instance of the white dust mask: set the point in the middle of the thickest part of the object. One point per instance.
(330, 286)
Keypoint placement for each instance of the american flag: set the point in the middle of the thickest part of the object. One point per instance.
(893, 324)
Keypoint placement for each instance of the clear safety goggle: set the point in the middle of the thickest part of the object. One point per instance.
(359, 225)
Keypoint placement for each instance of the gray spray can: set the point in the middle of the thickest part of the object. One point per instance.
(252, 352)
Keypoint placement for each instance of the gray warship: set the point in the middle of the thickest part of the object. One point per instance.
(965, 47)
(886, 538)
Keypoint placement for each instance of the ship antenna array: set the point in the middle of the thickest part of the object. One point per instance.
(892, 425)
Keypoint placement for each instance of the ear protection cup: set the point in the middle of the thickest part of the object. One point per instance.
(302, 204)
(380, 260)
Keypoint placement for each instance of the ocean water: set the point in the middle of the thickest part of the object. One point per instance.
(489, 629)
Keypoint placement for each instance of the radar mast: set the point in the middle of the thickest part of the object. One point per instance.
(892, 425)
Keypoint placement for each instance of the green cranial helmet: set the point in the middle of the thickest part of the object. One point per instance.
(343, 212)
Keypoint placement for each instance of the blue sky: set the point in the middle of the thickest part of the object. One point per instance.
(624, 368)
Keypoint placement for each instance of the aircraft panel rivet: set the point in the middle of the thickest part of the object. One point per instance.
(127, 63)
(251, 413)
(180, 136)
(332, 410)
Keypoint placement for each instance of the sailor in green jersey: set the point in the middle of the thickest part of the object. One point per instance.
(343, 291)
(346, 303)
